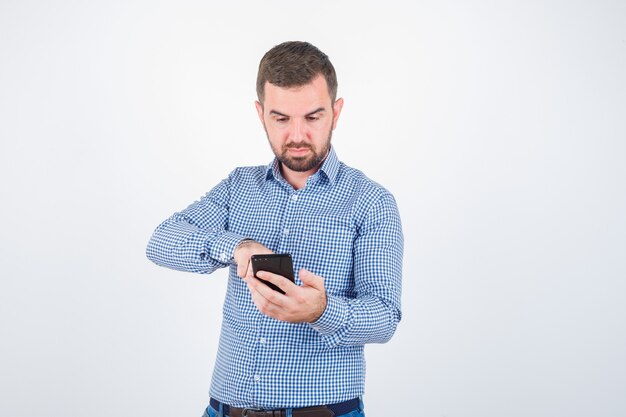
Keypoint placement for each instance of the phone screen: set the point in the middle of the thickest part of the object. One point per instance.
(277, 263)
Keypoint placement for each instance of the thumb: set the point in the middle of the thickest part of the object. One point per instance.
(242, 269)
(311, 280)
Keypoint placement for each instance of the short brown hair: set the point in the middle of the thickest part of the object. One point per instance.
(294, 64)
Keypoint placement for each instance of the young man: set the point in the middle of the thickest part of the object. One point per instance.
(299, 353)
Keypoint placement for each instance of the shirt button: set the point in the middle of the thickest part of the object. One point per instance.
(262, 340)
(257, 378)
(294, 197)
(286, 232)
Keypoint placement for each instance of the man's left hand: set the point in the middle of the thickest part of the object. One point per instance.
(300, 304)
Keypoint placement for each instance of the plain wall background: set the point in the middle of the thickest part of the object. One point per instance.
(500, 126)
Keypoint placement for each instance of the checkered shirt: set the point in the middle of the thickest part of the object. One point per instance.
(341, 226)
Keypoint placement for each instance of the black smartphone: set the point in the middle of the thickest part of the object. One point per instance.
(277, 263)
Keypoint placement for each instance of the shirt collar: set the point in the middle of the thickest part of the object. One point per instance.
(329, 168)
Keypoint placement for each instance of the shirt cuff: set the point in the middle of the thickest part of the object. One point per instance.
(223, 247)
(333, 318)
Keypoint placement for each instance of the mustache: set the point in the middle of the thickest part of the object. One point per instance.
(297, 146)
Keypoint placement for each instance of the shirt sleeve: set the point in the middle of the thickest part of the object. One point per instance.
(373, 315)
(196, 239)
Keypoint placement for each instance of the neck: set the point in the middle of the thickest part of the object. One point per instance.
(295, 178)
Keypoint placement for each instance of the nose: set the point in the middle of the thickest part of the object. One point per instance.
(297, 131)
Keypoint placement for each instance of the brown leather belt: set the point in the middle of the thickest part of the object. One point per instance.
(330, 410)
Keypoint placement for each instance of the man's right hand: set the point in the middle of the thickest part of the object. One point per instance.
(242, 255)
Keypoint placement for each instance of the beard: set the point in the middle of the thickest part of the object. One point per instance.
(302, 163)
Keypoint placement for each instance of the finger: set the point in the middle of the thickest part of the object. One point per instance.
(264, 297)
(253, 287)
(259, 288)
(278, 280)
(249, 271)
(242, 268)
(310, 279)
(257, 298)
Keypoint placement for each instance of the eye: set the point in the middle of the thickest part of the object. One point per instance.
(312, 118)
(281, 119)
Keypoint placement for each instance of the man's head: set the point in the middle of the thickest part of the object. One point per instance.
(294, 64)
(297, 87)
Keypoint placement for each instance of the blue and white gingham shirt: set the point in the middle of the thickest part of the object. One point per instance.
(341, 226)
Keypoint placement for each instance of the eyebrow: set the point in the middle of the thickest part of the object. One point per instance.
(319, 109)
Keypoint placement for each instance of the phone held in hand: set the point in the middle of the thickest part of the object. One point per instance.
(277, 263)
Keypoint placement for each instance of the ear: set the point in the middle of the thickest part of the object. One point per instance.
(337, 111)
(259, 110)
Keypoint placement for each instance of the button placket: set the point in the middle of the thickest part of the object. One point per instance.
(286, 230)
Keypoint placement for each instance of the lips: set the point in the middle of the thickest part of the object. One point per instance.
(298, 150)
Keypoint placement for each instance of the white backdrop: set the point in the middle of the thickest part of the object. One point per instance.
(499, 126)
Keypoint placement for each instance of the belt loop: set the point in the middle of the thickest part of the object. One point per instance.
(288, 412)
(220, 412)
(361, 406)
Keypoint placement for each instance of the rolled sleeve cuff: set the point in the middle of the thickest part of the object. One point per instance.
(224, 246)
(333, 318)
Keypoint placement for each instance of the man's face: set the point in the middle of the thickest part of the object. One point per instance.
(299, 122)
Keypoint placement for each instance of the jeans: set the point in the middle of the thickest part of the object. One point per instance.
(211, 412)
